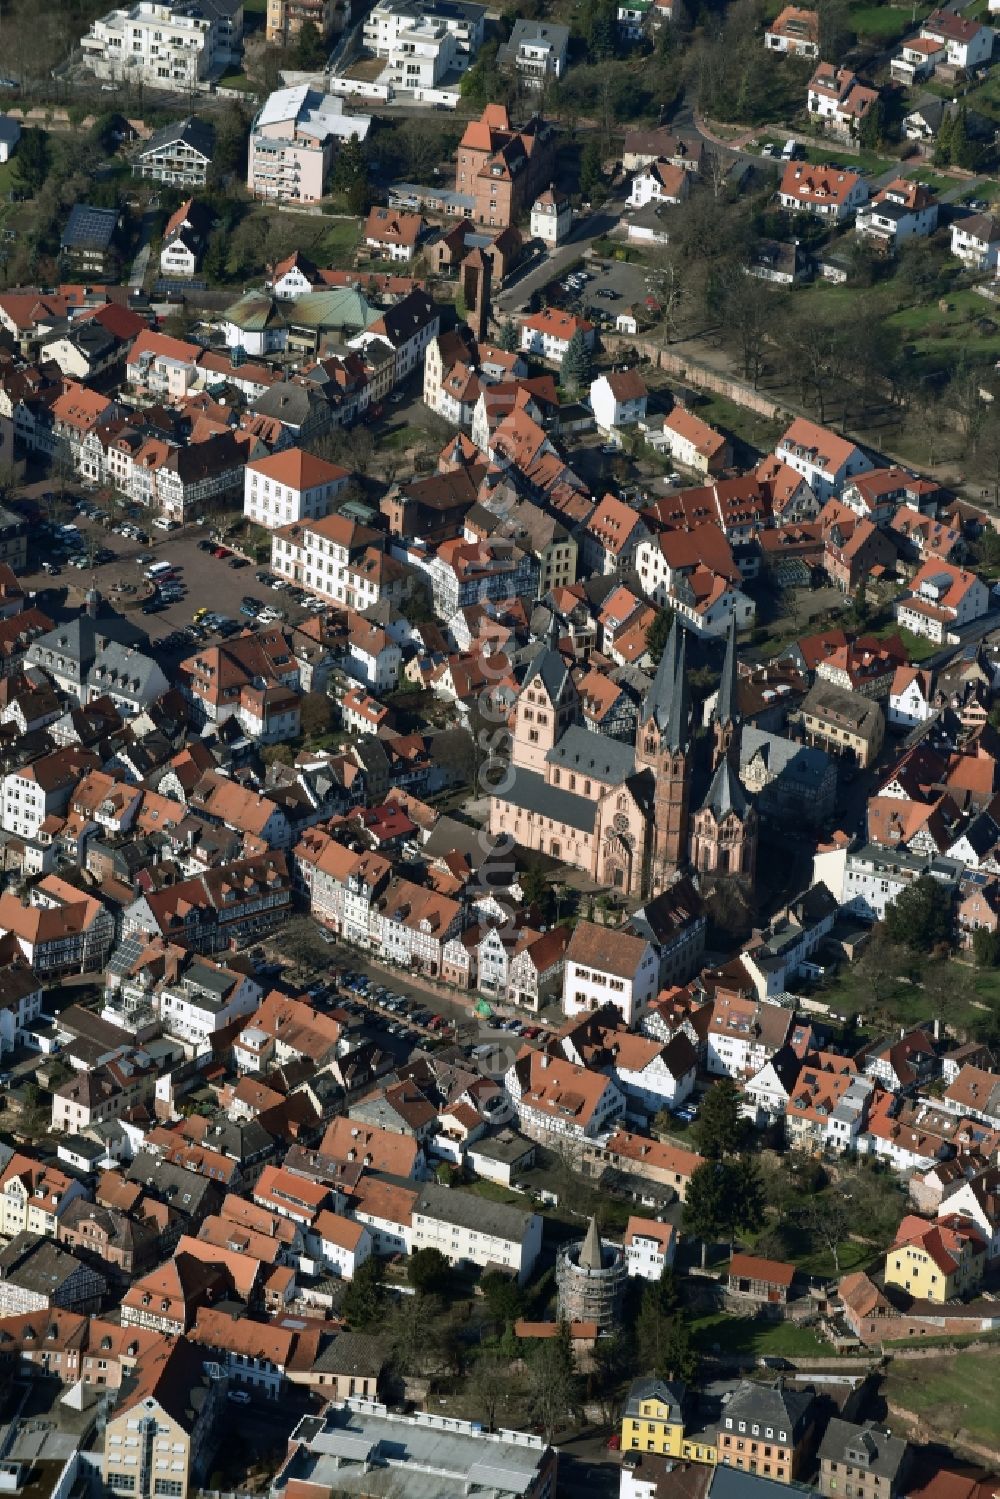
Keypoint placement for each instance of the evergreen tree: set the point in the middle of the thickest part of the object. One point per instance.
(705, 1205)
(216, 255)
(721, 1129)
(576, 363)
(942, 146)
(359, 197)
(32, 161)
(871, 131)
(350, 165)
(591, 169)
(920, 916)
(658, 633)
(508, 336)
(963, 152)
(363, 1302)
(309, 51)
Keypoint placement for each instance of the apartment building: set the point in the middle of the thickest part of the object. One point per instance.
(293, 141)
(499, 170)
(33, 1197)
(180, 154)
(389, 20)
(767, 1429)
(165, 43)
(865, 1461)
(473, 1231)
(323, 555)
(290, 487)
(286, 18)
(163, 1429)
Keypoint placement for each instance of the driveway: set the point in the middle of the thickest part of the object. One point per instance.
(585, 231)
(140, 264)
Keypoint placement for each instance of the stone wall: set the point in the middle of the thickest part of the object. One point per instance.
(691, 372)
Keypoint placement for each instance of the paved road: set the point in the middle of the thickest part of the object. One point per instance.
(137, 275)
(585, 231)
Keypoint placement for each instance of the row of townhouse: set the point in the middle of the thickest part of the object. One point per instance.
(357, 896)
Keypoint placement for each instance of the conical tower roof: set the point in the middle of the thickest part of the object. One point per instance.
(590, 1250)
(658, 700)
(726, 793)
(726, 706)
(667, 703)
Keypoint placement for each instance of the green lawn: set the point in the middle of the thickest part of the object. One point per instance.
(940, 336)
(951, 1394)
(886, 22)
(747, 1335)
(849, 994)
(858, 161)
(339, 242)
(494, 1192)
(934, 180)
(918, 646)
(238, 81)
(739, 422)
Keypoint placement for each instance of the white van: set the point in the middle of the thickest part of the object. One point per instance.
(788, 151)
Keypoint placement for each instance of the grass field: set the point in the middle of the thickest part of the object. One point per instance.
(951, 1394)
(942, 335)
(885, 22)
(339, 241)
(238, 81)
(722, 1334)
(857, 161)
(746, 426)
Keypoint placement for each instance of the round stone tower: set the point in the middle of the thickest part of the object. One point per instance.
(590, 1281)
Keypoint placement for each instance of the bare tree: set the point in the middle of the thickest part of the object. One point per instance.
(828, 1219)
(489, 1385)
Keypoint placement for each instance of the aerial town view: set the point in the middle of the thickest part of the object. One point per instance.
(499, 749)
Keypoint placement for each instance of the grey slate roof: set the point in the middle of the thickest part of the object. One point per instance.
(726, 705)
(868, 1447)
(530, 791)
(547, 664)
(127, 673)
(667, 703)
(726, 794)
(668, 1392)
(193, 133)
(797, 762)
(593, 754)
(452, 1205)
(774, 1405)
(357, 1353)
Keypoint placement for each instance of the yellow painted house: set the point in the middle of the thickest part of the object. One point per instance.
(654, 1422)
(934, 1261)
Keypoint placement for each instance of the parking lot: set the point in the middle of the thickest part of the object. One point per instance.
(611, 286)
(205, 581)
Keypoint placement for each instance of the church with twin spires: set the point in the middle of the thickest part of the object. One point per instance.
(622, 812)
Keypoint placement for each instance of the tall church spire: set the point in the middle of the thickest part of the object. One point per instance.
(663, 747)
(726, 718)
(726, 707)
(658, 701)
(668, 702)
